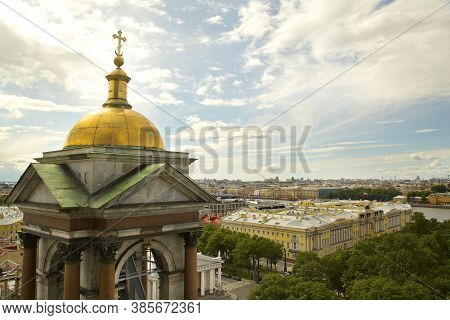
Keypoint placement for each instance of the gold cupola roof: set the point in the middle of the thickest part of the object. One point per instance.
(115, 124)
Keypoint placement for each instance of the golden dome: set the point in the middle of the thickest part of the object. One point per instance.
(114, 127)
(115, 124)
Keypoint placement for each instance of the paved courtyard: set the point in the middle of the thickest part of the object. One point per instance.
(237, 289)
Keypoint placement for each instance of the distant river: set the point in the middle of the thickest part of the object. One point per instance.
(440, 214)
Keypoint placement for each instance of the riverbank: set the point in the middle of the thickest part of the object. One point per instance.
(427, 205)
(440, 213)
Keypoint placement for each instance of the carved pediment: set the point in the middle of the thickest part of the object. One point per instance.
(155, 191)
(49, 184)
(155, 183)
(41, 194)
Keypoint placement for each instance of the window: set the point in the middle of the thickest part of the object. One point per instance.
(294, 243)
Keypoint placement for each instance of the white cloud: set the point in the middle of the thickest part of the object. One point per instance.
(19, 163)
(421, 156)
(212, 84)
(254, 22)
(87, 28)
(389, 121)
(4, 133)
(162, 99)
(204, 39)
(310, 42)
(16, 104)
(342, 148)
(426, 130)
(156, 78)
(347, 143)
(223, 102)
(435, 165)
(154, 6)
(215, 20)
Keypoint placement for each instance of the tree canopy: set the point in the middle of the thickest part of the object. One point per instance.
(378, 194)
(411, 264)
(240, 248)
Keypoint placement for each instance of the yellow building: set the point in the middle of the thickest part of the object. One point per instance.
(442, 199)
(307, 193)
(319, 228)
(289, 193)
(10, 223)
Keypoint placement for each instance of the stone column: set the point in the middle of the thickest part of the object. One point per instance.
(28, 289)
(219, 279)
(202, 283)
(190, 266)
(71, 254)
(144, 269)
(107, 281)
(212, 280)
(153, 287)
(154, 290)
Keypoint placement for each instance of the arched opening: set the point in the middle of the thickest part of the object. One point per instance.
(142, 271)
(54, 273)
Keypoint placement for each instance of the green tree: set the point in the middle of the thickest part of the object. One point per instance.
(242, 254)
(274, 253)
(202, 241)
(272, 287)
(257, 252)
(420, 225)
(312, 271)
(375, 288)
(223, 241)
(301, 289)
(336, 266)
(439, 188)
(415, 291)
(277, 287)
(303, 258)
(411, 264)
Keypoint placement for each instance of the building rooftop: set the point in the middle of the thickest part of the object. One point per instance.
(10, 215)
(312, 216)
(204, 260)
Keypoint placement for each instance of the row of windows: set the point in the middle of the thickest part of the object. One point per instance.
(9, 232)
(394, 221)
(341, 235)
(379, 226)
(319, 241)
(260, 232)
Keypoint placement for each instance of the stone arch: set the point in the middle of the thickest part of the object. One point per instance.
(51, 270)
(161, 252)
(51, 252)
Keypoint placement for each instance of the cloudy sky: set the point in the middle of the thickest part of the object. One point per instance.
(222, 79)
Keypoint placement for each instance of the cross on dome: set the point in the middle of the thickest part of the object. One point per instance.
(120, 39)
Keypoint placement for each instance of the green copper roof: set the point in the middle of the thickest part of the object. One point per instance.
(62, 185)
(116, 189)
(69, 192)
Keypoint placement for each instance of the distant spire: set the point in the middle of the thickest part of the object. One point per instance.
(118, 79)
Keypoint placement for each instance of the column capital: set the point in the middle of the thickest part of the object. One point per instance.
(108, 248)
(190, 238)
(28, 240)
(71, 252)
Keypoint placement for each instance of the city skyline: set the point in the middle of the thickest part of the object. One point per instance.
(236, 65)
